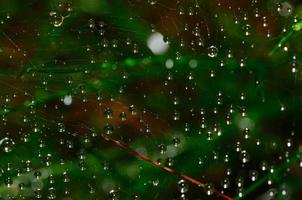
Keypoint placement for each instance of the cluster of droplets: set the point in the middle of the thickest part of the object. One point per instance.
(196, 100)
(62, 11)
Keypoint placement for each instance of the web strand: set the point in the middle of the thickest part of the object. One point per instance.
(167, 169)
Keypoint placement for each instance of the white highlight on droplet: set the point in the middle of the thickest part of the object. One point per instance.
(169, 63)
(156, 43)
(67, 100)
(193, 63)
(246, 123)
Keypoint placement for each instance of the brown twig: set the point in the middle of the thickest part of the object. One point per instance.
(167, 169)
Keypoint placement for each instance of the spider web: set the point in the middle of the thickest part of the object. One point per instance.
(192, 85)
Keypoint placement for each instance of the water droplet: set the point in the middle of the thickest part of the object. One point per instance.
(209, 188)
(193, 63)
(123, 116)
(108, 113)
(183, 186)
(225, 183)
(212, 51)
(247, 29)
(162, 148)
(108, 129)
(7, 144)
(152, 2)
(285, 8)
(253, 174)
(67, 100)
(156, 43)
(176, 141)
(244, 156)
(155, 182)
(56, 19)
(51, 193)
(169, 63)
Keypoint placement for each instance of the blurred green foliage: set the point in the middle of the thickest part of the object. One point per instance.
(222, 102)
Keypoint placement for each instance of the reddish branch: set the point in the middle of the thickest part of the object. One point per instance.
(167, 169)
